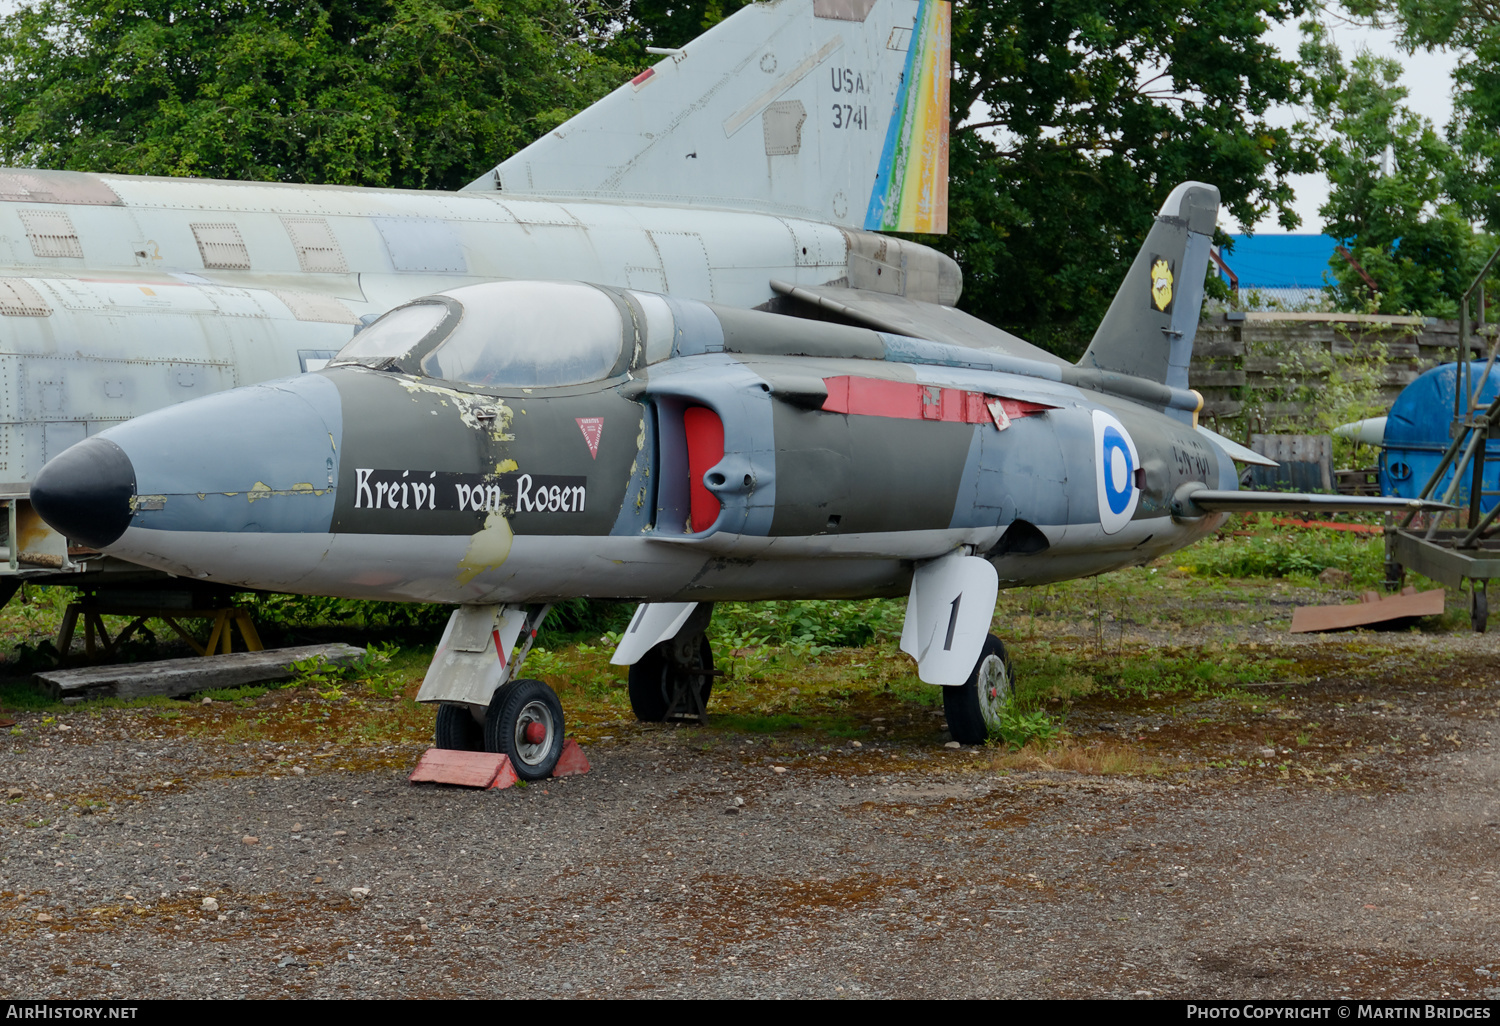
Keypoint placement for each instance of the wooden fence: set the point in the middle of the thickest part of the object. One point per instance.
(1297, 371)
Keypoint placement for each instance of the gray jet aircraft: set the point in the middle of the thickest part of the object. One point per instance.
(774, 147)
(506, 445)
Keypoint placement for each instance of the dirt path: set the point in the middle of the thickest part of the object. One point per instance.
(1339, 840)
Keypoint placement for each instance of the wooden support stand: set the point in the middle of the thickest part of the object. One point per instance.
(96, 636)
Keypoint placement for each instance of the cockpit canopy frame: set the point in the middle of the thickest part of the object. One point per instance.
(502, 336)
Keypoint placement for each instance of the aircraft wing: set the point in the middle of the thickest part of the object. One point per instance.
(1196, 503)
(902, 316)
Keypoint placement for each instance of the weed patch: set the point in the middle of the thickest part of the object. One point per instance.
(1022, 727)
(1070, 756)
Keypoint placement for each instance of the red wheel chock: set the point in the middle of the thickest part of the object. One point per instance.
(465, 769)
(572, 762)
(487, 769)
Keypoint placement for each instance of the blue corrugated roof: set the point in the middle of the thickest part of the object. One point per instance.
(1280, 261)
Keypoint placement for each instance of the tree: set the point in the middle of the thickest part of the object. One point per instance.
(1390, 173)
(1472, 28)
(1073, 120)
(1093, 111)
(408, 93)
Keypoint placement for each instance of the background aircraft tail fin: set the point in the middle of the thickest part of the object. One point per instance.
(1149, 329)
(834, 110)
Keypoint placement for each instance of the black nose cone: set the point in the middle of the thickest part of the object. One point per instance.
(86, 492)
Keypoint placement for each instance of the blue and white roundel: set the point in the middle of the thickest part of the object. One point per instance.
(1115, 463)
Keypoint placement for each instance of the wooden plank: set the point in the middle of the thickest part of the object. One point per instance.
(1306, 461)
(1289, 448)
(1408, 604)
(1217, 346)
(174, 677)
(1226, 408)
(1358, 349)
(1216, 378)
(1279, 410)
(1277, 366)
(1271, 317)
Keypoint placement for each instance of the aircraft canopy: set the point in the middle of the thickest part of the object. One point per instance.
(510, 334)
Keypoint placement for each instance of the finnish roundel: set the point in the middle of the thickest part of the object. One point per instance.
(1115, 463)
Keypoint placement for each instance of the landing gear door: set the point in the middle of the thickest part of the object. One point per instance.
(948, 616)
(653, 623)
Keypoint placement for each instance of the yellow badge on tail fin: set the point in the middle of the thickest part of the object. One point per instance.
(1161, 284)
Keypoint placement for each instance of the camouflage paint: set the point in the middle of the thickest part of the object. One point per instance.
(511, 499)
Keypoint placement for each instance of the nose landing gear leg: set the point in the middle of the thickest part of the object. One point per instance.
(483, 703)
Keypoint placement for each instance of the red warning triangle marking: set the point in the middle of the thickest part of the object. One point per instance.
(592, 428)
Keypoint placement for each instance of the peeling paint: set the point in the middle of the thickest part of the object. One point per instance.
(265, 491)
(469, 407)
(488, 548)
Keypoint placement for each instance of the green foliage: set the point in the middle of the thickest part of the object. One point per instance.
(1290, 554)
(1392, 176)
(424, 620)
(1187, 674)
(243, 693)
(759, 723)
(589, 616)
(402, 93)
(1085, 115)
(629, 26)
(305, 611)
(1470, 29)
(809, 627)
(1316, 387)
(1073, 122)
(1019, 727)
(329, 679)
(1050, 674)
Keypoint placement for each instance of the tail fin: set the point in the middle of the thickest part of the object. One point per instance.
(1149, 329)
(793, 107)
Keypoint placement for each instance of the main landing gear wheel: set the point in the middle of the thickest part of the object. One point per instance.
(457, 729)
(1395, 576)
(1479, 606)
(525, 722)
(974, 708)
(670, 682)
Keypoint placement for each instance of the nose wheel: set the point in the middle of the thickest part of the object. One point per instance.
(525, 723)
(458, 729)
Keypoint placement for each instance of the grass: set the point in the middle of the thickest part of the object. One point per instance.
(812, 672)
(1071, 756)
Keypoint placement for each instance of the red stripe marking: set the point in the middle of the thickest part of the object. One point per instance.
(906, 400)
(498, 650)
(1356, 528)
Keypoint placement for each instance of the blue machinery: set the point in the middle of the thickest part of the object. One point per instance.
(1464, 472)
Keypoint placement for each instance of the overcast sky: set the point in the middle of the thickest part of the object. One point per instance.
(1428, 78)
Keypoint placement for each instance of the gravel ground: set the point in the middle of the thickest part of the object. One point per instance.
(136, 863)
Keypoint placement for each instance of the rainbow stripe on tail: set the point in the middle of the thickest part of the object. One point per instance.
(911, 187)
